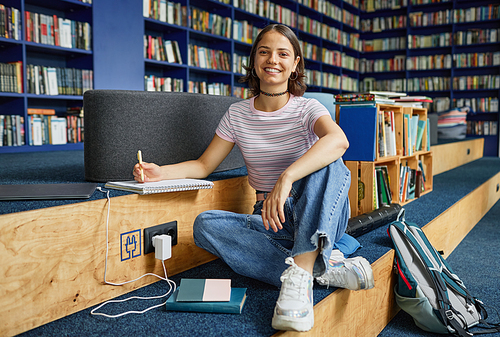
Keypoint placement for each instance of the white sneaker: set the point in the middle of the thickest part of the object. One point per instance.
(353, 273)
(294, 308)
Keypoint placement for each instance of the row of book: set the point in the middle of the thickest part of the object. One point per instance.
(413, 132)
(448, 16)
(11, 79)
(155, 83)
(241, 92)
(381, 24)
(476, 36)
(380, 65)
(324, 79)
(423, 19)
(166, 11)
(245, 31)
(466, 60)
(476, 82)
(372, 84)
(383, 44)
(478, 104)
(42, 80)
(482, 128)
(10, 23)
(431, 83)
(324, 7)
(208, 22)
(156, 48)
(311, 51)
(208, 58)
(45, 127)
(57, 31)
(430, 41)
(382, 194)
(238, 62)
(482, 13)
(203, 87)
(269, 10)
(329, 33)
(411, 182)
(375, 5)
(11, 130)
(429, 62)
(386, 134)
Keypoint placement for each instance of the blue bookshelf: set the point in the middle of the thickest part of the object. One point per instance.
(355, 49)
(22, 47)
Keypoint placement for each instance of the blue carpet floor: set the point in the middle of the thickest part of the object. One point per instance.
(255, 320)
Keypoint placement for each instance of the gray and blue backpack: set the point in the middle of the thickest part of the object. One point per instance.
(429, 290)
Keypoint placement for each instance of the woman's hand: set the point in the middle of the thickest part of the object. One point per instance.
(273, 214)
(152, 172)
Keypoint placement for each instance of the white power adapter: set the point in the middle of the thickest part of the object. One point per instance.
(163, 246)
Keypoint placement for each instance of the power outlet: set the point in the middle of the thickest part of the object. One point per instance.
(169, 228)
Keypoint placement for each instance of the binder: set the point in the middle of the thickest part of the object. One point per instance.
(359, 124)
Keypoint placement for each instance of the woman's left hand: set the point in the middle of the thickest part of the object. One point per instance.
(273, 214)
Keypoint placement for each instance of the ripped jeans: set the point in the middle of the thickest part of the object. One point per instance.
(316, 217)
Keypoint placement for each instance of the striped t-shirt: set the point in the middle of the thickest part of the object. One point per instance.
(271, 141)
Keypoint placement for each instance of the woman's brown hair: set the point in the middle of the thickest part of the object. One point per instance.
(296, 83)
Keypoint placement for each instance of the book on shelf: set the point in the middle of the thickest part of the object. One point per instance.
(172, 185)
(12, 130)
(233, 306)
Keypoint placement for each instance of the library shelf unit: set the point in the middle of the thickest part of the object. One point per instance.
(451, 54)
(329, 36)
(24, 48)
(362, 190)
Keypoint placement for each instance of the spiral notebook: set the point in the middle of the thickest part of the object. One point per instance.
(173, 185)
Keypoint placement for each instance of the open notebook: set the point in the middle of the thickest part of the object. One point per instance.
(173, 185)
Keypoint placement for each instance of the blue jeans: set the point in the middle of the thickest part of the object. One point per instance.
(316, 217)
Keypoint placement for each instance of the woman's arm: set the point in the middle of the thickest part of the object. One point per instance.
(215, 153)
(331, 145)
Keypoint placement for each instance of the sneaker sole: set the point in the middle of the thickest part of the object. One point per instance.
(368, 273)
(289, 323)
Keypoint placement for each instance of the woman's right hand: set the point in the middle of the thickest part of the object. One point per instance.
(152, 172)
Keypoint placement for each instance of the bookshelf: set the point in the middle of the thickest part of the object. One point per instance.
(50, 45)
(451, 54)
(363, 195)
(349, 46)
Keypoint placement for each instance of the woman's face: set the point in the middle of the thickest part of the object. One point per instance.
(274, 61)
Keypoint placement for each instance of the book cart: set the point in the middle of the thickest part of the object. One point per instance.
(363, 173)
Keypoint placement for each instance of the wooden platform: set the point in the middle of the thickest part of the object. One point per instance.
(53, 259)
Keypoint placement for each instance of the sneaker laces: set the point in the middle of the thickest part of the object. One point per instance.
(335, 274)
(293, 285)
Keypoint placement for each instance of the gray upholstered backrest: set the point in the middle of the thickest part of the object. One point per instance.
(168, 127)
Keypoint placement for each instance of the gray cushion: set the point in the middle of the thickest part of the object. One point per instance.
(168, 127)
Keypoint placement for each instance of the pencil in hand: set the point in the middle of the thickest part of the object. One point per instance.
(139, 158)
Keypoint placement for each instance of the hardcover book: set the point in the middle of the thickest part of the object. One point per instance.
(233, 306)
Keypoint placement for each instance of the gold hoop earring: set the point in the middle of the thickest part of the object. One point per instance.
(253, 73)
(296, 75)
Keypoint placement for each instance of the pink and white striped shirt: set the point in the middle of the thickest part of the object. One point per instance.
(271, 141)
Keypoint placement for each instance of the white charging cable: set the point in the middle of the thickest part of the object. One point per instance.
(172, 285)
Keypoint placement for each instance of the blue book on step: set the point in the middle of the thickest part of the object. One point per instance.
(234, 306)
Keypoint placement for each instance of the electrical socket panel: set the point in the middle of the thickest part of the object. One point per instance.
(169, 228)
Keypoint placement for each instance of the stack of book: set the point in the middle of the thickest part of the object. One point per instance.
(368, 98)
(412, 101)
(207, 295)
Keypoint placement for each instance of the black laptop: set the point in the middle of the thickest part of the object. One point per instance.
(47, 191)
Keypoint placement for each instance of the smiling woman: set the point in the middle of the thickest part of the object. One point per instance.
(292, 150)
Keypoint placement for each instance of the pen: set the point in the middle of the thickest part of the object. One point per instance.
(139, 157)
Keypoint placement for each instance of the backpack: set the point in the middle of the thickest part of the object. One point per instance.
(428, 289)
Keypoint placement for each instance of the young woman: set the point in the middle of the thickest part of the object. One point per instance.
(292, 149)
